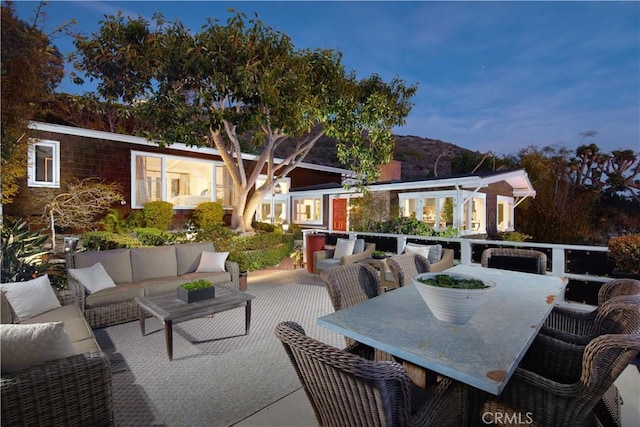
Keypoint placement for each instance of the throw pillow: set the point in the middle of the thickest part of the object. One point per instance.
(94, 278)
(431, 252)
(24, 346)
(412, 248)
(211, 262)
(343, 248)
(358, 247)
(30, 298)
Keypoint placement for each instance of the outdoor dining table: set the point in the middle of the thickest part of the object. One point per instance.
(483, 353)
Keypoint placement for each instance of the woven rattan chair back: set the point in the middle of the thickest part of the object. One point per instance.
(619, 315)
(517, 256)
(618, 287)
(351, 284)
(405, 266)
(346, 390)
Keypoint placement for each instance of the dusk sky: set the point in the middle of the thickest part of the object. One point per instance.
(492, 76)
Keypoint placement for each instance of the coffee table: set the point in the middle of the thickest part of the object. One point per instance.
(170, 310)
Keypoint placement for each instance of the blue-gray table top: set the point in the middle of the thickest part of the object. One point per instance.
(483, 353)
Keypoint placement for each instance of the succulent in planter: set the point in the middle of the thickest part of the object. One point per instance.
(624, 251)
(378, 255)
(446, 281)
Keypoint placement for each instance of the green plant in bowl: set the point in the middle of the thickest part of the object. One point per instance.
(446, 281)
(378, 254)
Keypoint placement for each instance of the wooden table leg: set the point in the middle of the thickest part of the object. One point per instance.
(247, 317)
(419, 376)
(168, 334)
(141, 315)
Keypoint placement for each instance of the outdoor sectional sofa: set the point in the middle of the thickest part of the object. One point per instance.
(141, 272)
(74, 389)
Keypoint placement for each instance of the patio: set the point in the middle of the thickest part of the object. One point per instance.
(263, 391)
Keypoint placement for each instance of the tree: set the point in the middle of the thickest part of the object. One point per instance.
(31, 69)
(209, 88)
(78, 205)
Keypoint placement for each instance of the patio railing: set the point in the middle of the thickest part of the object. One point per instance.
(586, 267)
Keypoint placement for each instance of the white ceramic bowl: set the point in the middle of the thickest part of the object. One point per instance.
(453, 305)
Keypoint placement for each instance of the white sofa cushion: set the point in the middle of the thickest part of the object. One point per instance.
(211, 262)
(30, 298)
(24, 346)
(94, 278)
(343, 248)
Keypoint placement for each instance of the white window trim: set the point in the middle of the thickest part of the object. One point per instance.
(309, 196)
(31, 171)
(163, 173)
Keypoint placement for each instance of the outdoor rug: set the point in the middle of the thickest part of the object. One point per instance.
(211, 381)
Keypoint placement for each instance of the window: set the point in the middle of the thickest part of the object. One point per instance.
(44, 164)
(307, 210)
(224, 186)
(436, 210)
(475, 215)
(504, 217)
(182, 181)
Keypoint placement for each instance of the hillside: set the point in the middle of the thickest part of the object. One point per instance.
(418, 155)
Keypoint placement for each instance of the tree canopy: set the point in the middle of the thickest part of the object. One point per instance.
(209, 88)
(31, 69)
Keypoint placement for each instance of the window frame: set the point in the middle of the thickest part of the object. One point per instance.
(31, 169)
(510, 201)
(163, 176)
(295, 203)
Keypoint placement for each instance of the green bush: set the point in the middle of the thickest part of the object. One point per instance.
(22, 251)
(135, 219)
(158, 214)
(251, 260)
(103, 240)
(412, 227)
(263, 226)
(154, 237)
(208, 214)
(511, 236)
(112, 222)
(624, 251)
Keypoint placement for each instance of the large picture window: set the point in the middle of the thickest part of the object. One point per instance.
(307, 210)
(436, 210)
(44, 164)
(181, 181)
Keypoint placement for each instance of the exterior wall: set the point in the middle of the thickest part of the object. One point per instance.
(83, 157)
(492, 192)
(392, 171)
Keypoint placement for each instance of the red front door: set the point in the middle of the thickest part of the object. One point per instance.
(339, 214)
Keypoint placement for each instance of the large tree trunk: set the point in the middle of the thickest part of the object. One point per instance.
(238, 222)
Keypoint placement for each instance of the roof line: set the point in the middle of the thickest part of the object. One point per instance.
(130, 139)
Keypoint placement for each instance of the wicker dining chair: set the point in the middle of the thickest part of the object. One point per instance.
(352, 284)
(563, 384)
(525, 260)
(575, 322)
(405, 266)
(345, 389)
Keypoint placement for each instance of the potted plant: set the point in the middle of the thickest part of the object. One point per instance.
(198, 290)
(453, 298)
(624, 251)
(378, 255)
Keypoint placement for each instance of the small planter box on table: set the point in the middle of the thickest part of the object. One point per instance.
(194, 295)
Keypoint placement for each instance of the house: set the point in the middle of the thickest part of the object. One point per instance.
(312, 196)
(182, 175)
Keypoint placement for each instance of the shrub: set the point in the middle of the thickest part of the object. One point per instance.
(22, 251)
(257, 259)
(512, 236)
(112, 222)
(208, 214)
(624, 251)
(158, 214)
(412, 227)
(154, 237)
(103, 240)
(263, 226)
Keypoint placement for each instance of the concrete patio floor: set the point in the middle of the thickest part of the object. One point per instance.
(295, 410)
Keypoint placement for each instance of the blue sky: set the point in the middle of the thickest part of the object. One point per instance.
(492, 76)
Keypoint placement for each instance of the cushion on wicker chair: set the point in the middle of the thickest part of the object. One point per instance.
(30, 298)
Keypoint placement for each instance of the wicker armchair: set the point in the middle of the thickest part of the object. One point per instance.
(525, 260)
(603, 320)
(563, 384)
(345, 389)
(75, 390)
(405, 266)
